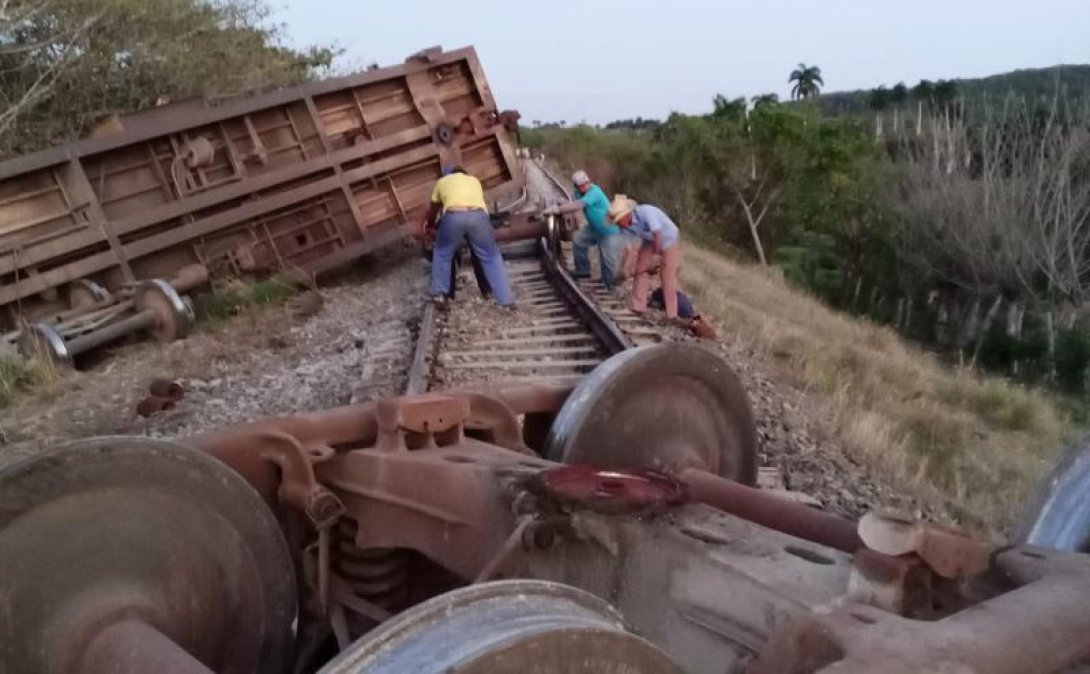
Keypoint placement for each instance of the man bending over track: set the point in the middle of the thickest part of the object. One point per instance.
(659, 238)
(459, 198)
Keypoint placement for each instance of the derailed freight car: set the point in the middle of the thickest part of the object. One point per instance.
(306, 178)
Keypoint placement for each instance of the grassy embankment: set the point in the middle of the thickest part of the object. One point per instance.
(930, 428)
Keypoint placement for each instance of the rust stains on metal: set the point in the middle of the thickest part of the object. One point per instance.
(950, 553)
(771, 511)
(154, 555)
(137, 555)
(1040, 626)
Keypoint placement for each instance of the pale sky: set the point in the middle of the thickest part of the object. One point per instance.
(601, 60)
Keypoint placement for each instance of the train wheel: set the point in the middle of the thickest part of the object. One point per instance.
(505, 626)
(122, 554)
(667, 407)
(1057, 514)
(41, 341)
(174, 315)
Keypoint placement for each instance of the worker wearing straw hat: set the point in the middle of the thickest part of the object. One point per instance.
(660, 247)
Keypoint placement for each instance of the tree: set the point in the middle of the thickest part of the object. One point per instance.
(807, 82)
(924, 93)
(732, 108)
(879, 98)
(637, 124)
(898, 96)
(878, 101)
(1011, 226)
(764, 100)
(65, 64)
(946, 93)
(750, 163)
(837, 212)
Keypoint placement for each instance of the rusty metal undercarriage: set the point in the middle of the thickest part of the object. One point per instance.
(430, 534)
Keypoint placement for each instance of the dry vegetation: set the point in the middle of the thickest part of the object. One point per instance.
(18, 375)
(936, 430)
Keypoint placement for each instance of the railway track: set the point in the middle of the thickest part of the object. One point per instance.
(559, 332)
(636, 328)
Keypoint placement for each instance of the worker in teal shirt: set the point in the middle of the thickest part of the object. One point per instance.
(598, 232)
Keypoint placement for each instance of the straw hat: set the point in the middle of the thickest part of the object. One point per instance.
(620, 207)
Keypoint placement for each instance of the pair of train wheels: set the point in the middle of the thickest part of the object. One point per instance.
(171, 318)
(169, 535)
(174, 539)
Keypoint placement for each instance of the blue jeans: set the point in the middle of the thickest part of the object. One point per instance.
(475, 226)
(609, 254)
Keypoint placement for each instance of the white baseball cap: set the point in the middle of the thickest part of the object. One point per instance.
(580, 177)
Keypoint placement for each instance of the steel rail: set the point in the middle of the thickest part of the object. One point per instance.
(428, 349)
(603, 327)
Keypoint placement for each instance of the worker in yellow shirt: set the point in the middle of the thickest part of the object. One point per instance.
(458, 203)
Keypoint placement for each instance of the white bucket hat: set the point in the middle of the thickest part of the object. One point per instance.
(580, 177)
(620, 207)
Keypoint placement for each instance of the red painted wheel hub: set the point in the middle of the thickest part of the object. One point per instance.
(612, 491)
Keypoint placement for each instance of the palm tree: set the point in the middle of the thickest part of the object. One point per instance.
(898, 94)
(878, 100)
(730, 108)
(924, 93)
(764, 100)
(807, 81)
(897, 97)
(946, 92)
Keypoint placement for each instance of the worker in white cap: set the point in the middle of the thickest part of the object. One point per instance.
(660, 248)
(598, 232)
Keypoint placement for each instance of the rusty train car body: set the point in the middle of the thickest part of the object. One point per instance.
(305, 178)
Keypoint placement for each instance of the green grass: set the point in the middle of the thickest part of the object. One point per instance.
(273, 291)
(235, 297)
(18, 374)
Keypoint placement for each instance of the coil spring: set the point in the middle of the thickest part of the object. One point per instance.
(379, 575)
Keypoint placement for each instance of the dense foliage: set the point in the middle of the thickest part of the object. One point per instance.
(969, 233)
(1029, 83)
(67, 64)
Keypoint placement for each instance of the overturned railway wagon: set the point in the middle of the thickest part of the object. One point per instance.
(305, 178)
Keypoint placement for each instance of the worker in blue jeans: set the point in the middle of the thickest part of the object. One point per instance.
(598, 232)
(460, 198)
